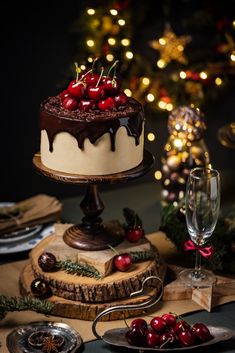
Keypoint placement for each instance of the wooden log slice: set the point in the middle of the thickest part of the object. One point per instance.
(117, 285)
(87, 311)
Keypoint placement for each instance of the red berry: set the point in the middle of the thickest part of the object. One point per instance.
(169, 319)
(158, 324)
(86, 105)
(95, 93)
(111, 85)
(77, 88)
(181, 326)
(120, 99)
(134, 234)
(64, 94)
(92, 79)
(186, 338)
(167, 339)
(123, 262)
(70, 103)
(136, 337)
(140, 323)
(107, 104)
(201, 332)
(152, 338)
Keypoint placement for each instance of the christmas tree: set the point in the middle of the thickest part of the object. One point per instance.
(171, 53)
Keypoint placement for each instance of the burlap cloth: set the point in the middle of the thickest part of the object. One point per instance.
(9, 276)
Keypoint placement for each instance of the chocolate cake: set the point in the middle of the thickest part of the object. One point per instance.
(93, 142)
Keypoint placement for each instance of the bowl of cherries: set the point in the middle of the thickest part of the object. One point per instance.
(168, 332)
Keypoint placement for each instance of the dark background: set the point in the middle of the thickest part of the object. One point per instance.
(37, 49)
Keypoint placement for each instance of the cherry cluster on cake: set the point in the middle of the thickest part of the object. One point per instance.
(90, 91)
(166, 331)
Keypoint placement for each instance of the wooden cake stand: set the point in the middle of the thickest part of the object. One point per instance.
(91, 233)
(83, 297)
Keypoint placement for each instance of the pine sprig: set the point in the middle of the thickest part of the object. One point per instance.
(75, 268)
(131, 217)
(139, 256)
(24, 303)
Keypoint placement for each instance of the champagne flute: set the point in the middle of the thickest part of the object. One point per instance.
(202, 203)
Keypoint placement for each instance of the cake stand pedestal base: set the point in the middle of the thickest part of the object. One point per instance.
(81, 237)
(91, 234)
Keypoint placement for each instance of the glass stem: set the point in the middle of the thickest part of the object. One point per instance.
(197, 268)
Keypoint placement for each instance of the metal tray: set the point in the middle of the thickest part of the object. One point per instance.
(116, 337)
(18, 339)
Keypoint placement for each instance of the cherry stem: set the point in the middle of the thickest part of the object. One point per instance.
(78, 70)
(114, 250)
(86, 74)
(164, 343)
(114, 66)
(101, 74)
(126, 323)
(179, 318)
(93, 64)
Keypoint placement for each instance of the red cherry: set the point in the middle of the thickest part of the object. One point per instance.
(186, 338)
(134, 234)
(167, 339)
(111, 85)
(120, 99)
(201, 332)
(139, 323)
(181, 326)
(107, 104)
(86, 105)
(64, 94)
(158, 324)
(95, 93)
(123, 262)
(77, 88)
(152, 338)
(136, 337)
(169, 319)
(92, 79)
(70, 103)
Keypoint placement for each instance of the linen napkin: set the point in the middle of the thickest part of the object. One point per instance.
(39, 209)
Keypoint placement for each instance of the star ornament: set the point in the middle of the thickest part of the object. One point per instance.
(170, 47)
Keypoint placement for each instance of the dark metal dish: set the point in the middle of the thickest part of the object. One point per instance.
(116, 337)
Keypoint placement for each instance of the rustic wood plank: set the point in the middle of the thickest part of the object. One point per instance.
(82, 310)
(102, 260)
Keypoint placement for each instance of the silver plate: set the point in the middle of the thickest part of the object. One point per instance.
(116, 337)
(17, 340)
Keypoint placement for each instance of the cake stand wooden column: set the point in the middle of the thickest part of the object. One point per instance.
(91, 233)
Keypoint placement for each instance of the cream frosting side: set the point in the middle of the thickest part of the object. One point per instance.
(94, 159)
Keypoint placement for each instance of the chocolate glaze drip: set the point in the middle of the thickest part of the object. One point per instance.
(92, 125)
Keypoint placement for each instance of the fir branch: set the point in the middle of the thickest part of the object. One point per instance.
(24, 303)
(139, 256)
(79, 269)
(131, 217)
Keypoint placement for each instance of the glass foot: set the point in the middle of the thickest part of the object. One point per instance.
(197, 279)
